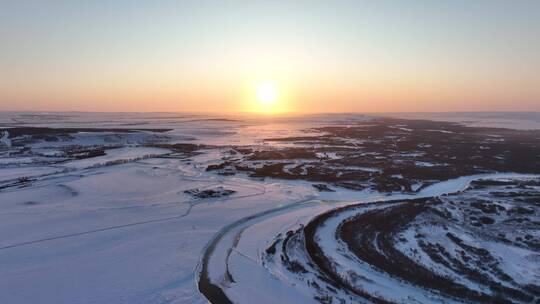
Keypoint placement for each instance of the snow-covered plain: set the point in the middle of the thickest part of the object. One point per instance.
(120, 228)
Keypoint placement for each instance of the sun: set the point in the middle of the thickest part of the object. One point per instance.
(267, 93)
(266, 97)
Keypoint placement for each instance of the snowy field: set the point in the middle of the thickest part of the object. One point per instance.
(122, 208)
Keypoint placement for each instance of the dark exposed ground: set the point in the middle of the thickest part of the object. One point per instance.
(50, 132)
(388, 154)
(210, 193)
(448, 232)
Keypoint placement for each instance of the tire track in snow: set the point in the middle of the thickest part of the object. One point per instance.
(157, 220)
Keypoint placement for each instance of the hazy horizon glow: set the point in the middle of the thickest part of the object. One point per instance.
(322, 56)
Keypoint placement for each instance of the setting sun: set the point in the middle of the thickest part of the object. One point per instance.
(267, 96)
(267, 93)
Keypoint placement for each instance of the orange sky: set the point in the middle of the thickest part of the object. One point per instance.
(337, 56)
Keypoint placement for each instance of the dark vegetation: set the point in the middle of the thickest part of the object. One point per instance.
(181, 150)
(210, 193)
(20, 182)
(372, 236)
(51, 133)
(389, 154)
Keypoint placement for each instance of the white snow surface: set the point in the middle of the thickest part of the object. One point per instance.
(119, 228)
(4, 139)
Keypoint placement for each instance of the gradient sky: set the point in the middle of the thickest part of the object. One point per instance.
(324, 56)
